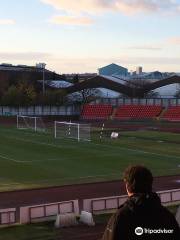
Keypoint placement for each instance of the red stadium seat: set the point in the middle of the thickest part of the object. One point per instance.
(172, 114)
(138, 112)
(95, 112)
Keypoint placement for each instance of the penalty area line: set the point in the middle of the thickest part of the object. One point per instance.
(12, 159)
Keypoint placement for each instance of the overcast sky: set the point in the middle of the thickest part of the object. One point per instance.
(83, 35)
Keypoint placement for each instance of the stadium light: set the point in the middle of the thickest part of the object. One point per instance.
(43, 67)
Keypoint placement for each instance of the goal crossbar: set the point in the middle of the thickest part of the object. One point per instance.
(30, 122)
(72, 130)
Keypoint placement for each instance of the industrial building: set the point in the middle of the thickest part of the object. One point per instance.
(113, 69)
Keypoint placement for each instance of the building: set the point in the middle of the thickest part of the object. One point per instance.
(139, 70)
(112, 70)
(13, 73)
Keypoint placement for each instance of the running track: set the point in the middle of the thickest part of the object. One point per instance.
(77, 191)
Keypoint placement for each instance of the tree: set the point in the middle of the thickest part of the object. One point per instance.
(12, 96)
(84, 96)
(4, 84)
(52, 97)
(22, 94)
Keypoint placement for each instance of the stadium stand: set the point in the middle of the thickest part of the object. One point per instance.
(137, 112)
(104, 111)
(172, 114)
(95, 112)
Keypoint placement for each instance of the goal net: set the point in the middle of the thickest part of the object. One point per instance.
(72, 130)
(33, 123)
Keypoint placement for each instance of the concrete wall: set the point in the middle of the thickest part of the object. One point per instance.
(7, 216)
(97, 205)
(47, 212)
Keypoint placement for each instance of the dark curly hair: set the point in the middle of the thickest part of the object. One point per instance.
(139, 179)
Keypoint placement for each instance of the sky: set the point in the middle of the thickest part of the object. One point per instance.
(77, 36)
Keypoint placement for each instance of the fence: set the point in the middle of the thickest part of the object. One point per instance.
(169, 196)
(7, 216)
(46, 212)
(165, 102)
(112, 203)
(70, 110)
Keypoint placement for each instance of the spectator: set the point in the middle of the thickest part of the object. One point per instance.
(142, 216)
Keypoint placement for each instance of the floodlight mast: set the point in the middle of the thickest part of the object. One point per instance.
(55, 132)
(44, 67)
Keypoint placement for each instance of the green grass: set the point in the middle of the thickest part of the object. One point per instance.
(29, 159)
(39, 231)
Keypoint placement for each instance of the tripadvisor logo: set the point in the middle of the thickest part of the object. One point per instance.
(139, 231)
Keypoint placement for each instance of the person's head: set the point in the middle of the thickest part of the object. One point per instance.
(138, 179)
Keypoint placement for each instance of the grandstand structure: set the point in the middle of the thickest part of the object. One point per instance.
(123, 86)
(130, 112)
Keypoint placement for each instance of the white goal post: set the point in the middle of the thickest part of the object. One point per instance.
(27, 122)
(72, 130)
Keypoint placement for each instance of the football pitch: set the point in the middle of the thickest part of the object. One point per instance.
(30, 160)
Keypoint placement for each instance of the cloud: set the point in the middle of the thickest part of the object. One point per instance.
(123, 6)
(7, 22)
(148, 48)
(154, 60)
(174, 40)
(23, 56)
(91, 64)
(78, 6)
(71, 20)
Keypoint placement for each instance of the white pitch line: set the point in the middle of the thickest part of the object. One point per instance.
(152, 153)
(138, 150)
(36, 142)
(47, 160)
(12, 159)
(102, 145)
(10, 184)
(81, 177)
(74, 178)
